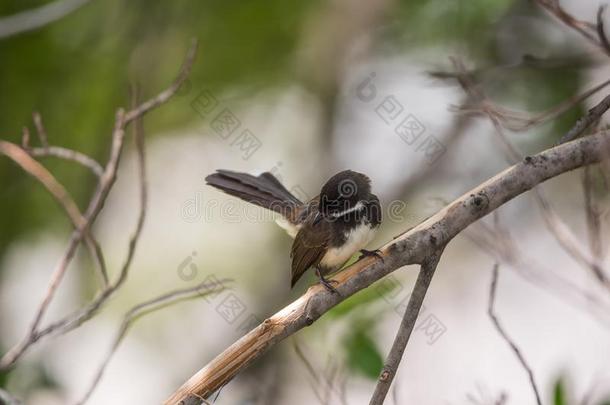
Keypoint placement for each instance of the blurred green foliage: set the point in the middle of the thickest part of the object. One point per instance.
(76, 73)
(562, 396)
(559, 397)
(363, 357)
(362, 352)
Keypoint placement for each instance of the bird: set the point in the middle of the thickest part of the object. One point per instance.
(327, 230)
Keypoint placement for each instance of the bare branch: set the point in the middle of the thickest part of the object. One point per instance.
(593, 115)
(507, 339)
(593, 214)
(317, 383)
(38, 17)
(69, 154)
(25, 138)
(411, 247)
(587, 30)
(96, 204)
(501, 246)
(8, 399)
(61, 195)
(416, 300)
(40, 130)
(170, 91)
(40, 173)
(601, 32)
(144, 308)
(521, 121)
(553, 221)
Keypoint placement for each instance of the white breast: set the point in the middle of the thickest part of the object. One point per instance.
(357, 239)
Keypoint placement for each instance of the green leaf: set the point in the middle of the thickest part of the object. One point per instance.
(363, 356)
(559, 395)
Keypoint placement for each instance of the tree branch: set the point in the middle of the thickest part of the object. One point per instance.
(413, 246)
(593, 115)
(416, 300)
(145, 308)
(507, 339)
(38, 17)
(8, 399)
(96, 204)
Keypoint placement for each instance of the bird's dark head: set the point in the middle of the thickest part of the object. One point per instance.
(343, 191)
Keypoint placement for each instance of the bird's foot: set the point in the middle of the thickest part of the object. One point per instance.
(328, 284)
(369, 253)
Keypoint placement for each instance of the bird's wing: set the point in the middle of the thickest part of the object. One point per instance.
(309, 247)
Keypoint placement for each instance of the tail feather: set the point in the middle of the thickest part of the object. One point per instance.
(263, 190)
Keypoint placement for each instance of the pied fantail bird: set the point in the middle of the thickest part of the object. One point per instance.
(327, 230)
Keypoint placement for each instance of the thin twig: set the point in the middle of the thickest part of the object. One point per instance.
(94, 208)
(8, 399)
(501, 246)
(40, 130)
(96, 203)
(326, 384)
(61, 195)
(38, 17)
(69, 154)
(583, 123)
(44, 177)
(416, 300)
(143, 309)
(25, 138)
(593, 215)
(601, 32)
(315, 383)
(553, 221)
(584, 28)
(521, 121)
(507, 339)
(169, 92)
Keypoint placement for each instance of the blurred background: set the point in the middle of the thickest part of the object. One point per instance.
(310, 88)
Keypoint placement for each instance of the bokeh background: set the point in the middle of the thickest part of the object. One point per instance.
(293, 73)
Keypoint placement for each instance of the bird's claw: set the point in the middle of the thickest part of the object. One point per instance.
(328, 284)
(370, 253)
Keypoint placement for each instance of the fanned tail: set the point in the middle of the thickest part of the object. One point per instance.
(263, 190)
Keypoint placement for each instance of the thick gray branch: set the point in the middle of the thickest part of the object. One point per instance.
(411, 247)
(406, 327)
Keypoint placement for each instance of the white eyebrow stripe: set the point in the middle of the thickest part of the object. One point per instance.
(359, 205)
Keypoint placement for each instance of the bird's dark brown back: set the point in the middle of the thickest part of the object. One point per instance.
(311, 242)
